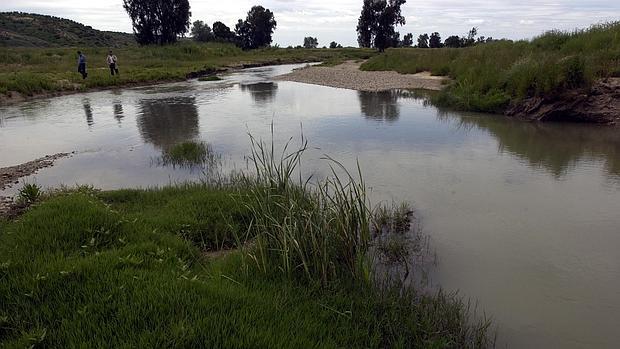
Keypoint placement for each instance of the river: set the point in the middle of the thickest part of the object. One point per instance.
(524, 218)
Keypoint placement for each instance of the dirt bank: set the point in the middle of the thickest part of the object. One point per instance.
(349, 76)
(598, 104)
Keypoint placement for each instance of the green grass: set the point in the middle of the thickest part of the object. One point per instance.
(37, 70)
(489, 77)
(133, 268)
(189, 154)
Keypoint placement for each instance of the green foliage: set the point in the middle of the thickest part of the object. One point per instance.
(201, 32)
(36, 70)
(31, 30)
(125, 269)
(158, 22)
(375, 26)
(489, 77)
(257, 29)
(29, 193)
(310, 42)
(190, 153)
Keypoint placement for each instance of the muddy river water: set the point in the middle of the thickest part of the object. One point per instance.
(524, 218)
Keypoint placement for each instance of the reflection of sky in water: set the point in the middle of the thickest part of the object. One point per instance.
(524, 216)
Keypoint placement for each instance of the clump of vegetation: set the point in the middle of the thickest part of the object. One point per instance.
(190, 153)
(489, 77)
(210, 78)
(29, 193)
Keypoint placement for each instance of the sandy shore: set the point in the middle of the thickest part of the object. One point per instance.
(349, 76)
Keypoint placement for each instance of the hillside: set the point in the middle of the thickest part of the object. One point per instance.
(31, 30)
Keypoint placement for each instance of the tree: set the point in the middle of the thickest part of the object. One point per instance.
(377, 21)
(407, 40)
(423, 41)
(257, 29)
(366, 24)
(453, 41)
(158, 21)
(222, 33)
(334, 44)
(435, 41)
(201, 32)
(471, 37)
(310, 42)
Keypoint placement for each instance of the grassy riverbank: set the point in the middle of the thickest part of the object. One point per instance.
(30, 71)
(144, 268)
(489, 77)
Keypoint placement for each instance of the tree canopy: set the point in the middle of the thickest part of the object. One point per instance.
(158, 21)
(201, 32)
(334, 44)
(222, 33)
(377, 21)
(257, 29)
(310, 42)
(435, 41)
(423, 41)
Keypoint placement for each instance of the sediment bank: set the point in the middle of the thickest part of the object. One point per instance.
(349, 76)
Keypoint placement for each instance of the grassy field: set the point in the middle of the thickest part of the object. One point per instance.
(30, 71)
(489, 77)
(136, 268)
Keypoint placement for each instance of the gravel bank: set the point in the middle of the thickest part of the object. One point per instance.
(348, 75)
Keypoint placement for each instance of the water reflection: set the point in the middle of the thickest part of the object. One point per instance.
(558, 148)
(118, 111)
(88, 110)
(380, 105)
(262, 92)
(167, 121)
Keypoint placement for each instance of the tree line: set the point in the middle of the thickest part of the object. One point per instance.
(161, 22)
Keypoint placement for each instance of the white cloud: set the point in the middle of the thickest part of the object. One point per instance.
(336, 20)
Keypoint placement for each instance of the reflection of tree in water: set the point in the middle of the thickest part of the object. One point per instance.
(165, 122)
(89, 112)
(556, 147)
(118, 111)
(262, 92)
(380, 105)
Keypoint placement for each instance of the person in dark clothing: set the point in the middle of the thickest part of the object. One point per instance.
(112, 63)
(82, 65)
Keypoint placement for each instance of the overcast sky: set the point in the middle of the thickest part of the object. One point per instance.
(336, 19)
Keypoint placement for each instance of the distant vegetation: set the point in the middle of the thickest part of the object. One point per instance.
(310, 42)
(254, 32)
(30, 71)
(375, 27)
(31, 30)
(491, 76)
(158, 22)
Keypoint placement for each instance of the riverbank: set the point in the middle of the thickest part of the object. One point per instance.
(348, 75)
(30, 72)
(525, 77)
(137, 268)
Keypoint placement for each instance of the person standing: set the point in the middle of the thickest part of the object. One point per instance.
(82, 65)
(112, 63)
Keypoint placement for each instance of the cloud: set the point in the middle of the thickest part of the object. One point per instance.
(336, 20)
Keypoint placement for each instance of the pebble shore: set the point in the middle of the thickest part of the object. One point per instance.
(349, 76)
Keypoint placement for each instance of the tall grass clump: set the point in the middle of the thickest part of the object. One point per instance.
(189, 154)
(317, 232)
(489, 77)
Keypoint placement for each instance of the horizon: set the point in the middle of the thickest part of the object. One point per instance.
(297, 19)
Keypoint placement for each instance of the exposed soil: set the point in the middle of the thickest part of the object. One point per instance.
(11, 175)
(349, 76)
(599, 104)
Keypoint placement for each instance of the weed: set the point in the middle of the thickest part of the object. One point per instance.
(29, 193)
